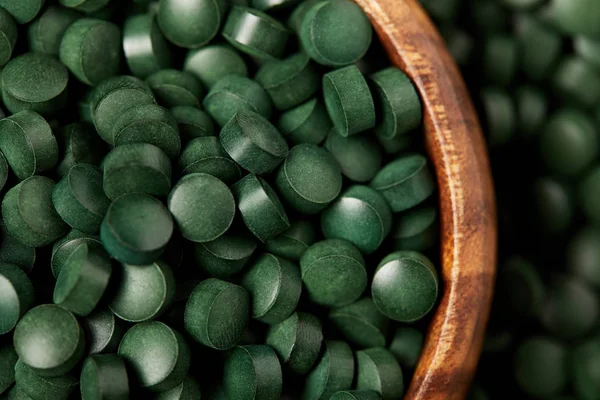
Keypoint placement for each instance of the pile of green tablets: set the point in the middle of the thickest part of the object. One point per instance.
(209, 198)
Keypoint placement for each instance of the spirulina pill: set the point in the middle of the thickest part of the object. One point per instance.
(190, 24)
(79, 198)
(176, 88)
(358, 156)
(540, 367)
(45, 32)
(8, 359)
(23, 11)
(148, 123)
(333, 272)
(40, 387)
(134, 305)
(294, 241)
(255, 33)
(274, 284)
(361, 323)
(91, 49)
(189, 389)
(206, 155)
(193, 123)
(136, 229)
(86, 6)
(252, 372)
(297, 341)
(64, 247)
(405, 182)
(8, 27)
(260, 207)
(309, 178)
(146, 50)
(29, 215)
(202, 206)
(225, 256)
(348, 100)
(406, 346)
(306, 123)
(398, 101)
(157, 356)
(16, 296)
(253, 142)
(416, 229)
(333, 44)
(333, 372)
(14, 252)
(35, 82)
(104, 377)
(103, 331)
(211, 63)
(233, 93)
(217, 313)
(378, 370)
(405, 286)
(136, 168)
(61, 335)
(28, 144)
(80, 144)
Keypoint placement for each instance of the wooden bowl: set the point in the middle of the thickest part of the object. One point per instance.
(456, 146)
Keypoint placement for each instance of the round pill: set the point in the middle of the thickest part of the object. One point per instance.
(329, 43)
(333, 272)
(399, 102)
(91, 49)
(103, 331)
(405, 286)
(110, 99)
(146, 50)
(359, 215)
(35, 82)
(104, 376)
(296, 17)
(356, 395)
(225, 256)
(540, 367)
(157, 355)
(587, 48)
(29, 215)
(260, 207)
(136, 168)
(14, 252)
(274, 285)
(306, 123)
(499, 114)
(49, 340)
(406, 346)
(186, 390)
(415, 229)
(148, 123)
(361, 323)
(8, 28)
(583, 361)
(294, 241)
(28, 144)
(23, 11)
(79, 198)
(309, 178)
(8, 359)
(87, 6)
(583, 256)
(575, 16)
(252, 372)
(190, 24)
(16, 296)
(541, 46)
(193, 123)
(136, 229)
(144, 292)
(397, 144)
(80, 144)
(176, 88)
(532, 109)
(206, 155)
(64, 247)
(404, 182)
(45, 32)
(233, 93)
(563, 296)
(554, 206)
(211, 63)
(348, 99)
(333, 372)
(359, 157)
(82, 280)
(297, 341)
(217, 313)
(255, 33)
(378, 370)
(34, 386)
(568, 142)
(290, 81)
(202, 206)
(571, 73)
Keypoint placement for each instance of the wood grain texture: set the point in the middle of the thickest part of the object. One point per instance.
(468, 215)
